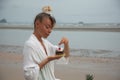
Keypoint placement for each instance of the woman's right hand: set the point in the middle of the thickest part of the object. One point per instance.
(50, 58)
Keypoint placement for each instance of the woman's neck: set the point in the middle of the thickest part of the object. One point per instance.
(41, 41)
(38, 36)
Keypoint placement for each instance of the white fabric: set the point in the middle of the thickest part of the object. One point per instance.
(62, 60)
(33, 54)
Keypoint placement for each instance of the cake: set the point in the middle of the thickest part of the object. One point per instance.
(59, 51)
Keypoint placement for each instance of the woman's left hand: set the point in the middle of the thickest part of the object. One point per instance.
(64, 41)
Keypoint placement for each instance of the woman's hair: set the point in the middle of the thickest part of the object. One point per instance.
(43, 15)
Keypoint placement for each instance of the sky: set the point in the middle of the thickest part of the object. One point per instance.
(65, 11)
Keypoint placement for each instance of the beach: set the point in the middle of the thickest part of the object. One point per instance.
(102, 68)
(96, 51)
(91, 28)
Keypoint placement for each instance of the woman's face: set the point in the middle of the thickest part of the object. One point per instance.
(44, 28)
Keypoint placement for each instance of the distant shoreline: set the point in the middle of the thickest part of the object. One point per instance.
(67, 27)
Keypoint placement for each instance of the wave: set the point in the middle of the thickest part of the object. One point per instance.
(73, 52)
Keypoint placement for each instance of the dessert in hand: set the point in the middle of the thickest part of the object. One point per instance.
(59, 51)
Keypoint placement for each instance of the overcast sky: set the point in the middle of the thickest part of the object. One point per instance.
(70, 11)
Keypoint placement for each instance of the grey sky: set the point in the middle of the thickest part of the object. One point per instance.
(88, 11)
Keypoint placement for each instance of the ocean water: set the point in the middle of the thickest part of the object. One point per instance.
(77, 39)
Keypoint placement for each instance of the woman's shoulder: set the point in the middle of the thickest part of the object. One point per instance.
(30, 42)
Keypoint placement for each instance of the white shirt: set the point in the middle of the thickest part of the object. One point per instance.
(34, 53)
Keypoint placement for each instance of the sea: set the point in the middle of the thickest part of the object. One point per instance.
(82, 42)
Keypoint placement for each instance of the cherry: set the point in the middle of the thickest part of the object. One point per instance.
(59, 48)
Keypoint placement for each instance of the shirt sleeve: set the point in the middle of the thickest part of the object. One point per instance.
(31, 68)
(62, 60)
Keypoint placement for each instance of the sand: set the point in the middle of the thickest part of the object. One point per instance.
(76, 69)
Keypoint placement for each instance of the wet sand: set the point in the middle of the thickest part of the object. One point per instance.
(76, 69)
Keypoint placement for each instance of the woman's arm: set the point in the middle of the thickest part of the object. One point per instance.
(66, 46)
(48, 59)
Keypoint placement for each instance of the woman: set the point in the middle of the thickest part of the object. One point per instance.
(39, 53)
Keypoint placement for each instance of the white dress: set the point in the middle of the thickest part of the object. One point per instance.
(34, 53)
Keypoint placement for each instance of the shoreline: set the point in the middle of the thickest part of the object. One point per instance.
(95, 53)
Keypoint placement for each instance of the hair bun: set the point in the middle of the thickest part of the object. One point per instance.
(47, 9)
